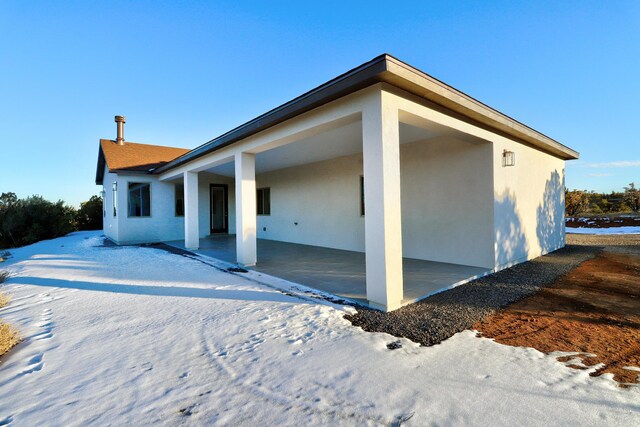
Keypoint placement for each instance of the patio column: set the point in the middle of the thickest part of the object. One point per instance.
(383, 225)
(191, 229)
(246, 247)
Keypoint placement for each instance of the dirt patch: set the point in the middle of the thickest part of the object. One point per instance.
(440, 316)
(594, 311)
(604, 221)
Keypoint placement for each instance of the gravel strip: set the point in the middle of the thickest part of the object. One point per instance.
(440, 316)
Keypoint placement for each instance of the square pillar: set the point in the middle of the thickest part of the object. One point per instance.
(383, 222)
(191, 226)
(246, 226)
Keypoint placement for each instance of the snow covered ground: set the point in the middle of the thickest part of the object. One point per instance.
(610, 230)
(138, 336)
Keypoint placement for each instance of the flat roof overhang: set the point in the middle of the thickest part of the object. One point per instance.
(383, 69)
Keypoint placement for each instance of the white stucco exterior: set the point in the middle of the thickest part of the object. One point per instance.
(529, 204)
(163, 225)
(435, 189)
(447, 203)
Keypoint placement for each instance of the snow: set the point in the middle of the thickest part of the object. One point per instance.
(611, 230)
(138, 336)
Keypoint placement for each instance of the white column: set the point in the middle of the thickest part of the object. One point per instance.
(191, 229)
(246, 248)
(383, 224)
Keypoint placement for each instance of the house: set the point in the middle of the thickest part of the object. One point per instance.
(391, 183)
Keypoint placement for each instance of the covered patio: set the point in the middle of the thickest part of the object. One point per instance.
(332, 179)
(335, 271)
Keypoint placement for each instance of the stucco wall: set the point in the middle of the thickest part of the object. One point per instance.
(109, 222)
(163, 224)
(448, 210)
(529, 204)
(447, 207)
(447, 203)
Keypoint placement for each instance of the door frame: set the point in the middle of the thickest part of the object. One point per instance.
(225, 202)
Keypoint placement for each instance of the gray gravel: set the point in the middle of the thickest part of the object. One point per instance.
(440, 316)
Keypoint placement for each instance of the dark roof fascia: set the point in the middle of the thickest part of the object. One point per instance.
(100, 167)
(382, 69)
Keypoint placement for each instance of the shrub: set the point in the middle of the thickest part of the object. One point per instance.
(89, 216)
(632, 197)
(9, 338)
(26, 221)
(576, 202)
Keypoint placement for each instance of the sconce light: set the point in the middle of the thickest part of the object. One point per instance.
(115, 186)
(508, 158)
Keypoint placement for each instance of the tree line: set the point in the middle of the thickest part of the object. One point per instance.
(29, 220)
(582, 201)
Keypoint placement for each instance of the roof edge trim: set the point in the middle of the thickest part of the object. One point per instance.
(382, 69)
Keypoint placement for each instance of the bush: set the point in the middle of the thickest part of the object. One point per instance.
(576, 202)
(9, 338)
(632, 197)
(89, 216)
(26, 221)
(4, 275)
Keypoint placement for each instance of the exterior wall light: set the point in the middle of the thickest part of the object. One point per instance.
(508, 158)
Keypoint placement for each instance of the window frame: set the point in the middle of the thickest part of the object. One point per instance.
(361, 197)
(129, 199)
(260, 201)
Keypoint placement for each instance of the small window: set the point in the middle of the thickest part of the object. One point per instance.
(361, 195)
(179, 199)
(139, 199)
(263, 199)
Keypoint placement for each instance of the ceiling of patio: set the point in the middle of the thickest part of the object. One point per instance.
(338, 142)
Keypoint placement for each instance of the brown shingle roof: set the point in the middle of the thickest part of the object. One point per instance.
(133, 157)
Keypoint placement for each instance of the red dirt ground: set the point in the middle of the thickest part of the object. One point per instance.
(595, 309)
(603, 222)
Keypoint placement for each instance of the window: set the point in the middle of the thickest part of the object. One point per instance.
(114, 193)
(361, 195)
(263, 200)
(179, 199)
(139, 199)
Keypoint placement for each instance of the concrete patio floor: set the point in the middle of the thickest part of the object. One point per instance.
(336, 271)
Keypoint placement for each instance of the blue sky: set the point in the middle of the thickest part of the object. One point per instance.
(185, 72)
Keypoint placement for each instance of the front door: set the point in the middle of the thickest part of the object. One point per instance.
(219, 208)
